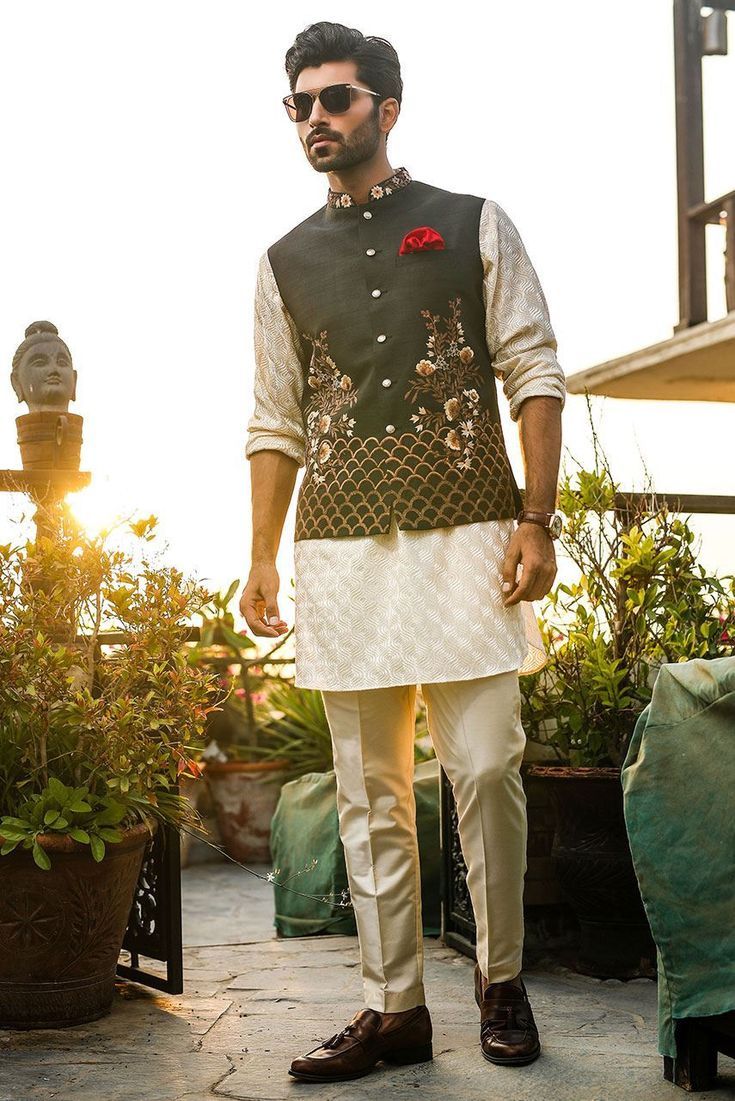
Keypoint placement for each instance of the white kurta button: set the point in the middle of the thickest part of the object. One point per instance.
(370, 252)
(376, 293)
(386, 382)
(366, 214)
(390, 428)
(380, 338)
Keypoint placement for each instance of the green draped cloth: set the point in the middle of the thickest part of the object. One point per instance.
(678, 779)
(309, 862)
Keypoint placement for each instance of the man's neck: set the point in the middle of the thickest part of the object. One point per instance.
(357, 181)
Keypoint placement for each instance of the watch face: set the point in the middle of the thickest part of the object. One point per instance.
(555, 525)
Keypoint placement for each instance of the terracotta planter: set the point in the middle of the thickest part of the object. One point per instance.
(194, 848)
(62, 929)
(245, 794)
(595, 870)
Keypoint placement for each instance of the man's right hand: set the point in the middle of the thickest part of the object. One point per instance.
(259, 601)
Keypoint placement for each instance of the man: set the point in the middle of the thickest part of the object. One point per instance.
(381, 323)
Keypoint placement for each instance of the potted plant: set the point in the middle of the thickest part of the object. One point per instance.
(243, 788)
(294, 729)
(93, 742)
(641, 598)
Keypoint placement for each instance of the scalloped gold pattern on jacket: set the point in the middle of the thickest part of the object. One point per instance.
(416, 475)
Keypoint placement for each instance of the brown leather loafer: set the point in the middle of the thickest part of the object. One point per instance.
(508, 1032)
(398, 1038)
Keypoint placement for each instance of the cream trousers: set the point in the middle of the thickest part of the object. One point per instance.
(475, 727)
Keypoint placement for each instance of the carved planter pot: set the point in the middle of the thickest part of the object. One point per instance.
(595, 871)
(62, 929)
(50, 441)
(245, 795)
(197, 847)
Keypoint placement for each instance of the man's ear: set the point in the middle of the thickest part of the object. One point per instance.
(397, 108)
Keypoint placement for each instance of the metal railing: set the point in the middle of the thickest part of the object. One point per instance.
(692, 42)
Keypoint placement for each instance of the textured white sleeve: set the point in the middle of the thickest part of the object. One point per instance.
(277, 422)
(518, 330)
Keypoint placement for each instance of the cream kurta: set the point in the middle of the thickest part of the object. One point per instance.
(411, 607)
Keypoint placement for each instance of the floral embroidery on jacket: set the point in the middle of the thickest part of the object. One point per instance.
(447, 376)
(325, 421)
(391, 183)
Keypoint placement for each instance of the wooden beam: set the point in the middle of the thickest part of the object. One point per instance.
(689, 162)
(29, 481)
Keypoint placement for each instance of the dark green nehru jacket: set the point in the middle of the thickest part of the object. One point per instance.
(399, 400)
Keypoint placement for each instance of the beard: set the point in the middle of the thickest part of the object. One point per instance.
(361, 145)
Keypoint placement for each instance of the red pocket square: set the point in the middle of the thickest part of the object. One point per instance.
(420, 238)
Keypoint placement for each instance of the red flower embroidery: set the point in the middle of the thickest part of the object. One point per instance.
(422, 237)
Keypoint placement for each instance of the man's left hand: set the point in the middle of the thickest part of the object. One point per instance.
(532, 547)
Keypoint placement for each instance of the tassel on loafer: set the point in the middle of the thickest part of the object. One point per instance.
(371, 1036)
(508, 1032)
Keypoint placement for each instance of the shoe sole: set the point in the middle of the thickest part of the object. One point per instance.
(519, 1061)
(401, 1058)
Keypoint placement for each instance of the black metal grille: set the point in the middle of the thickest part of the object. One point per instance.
(154, 926)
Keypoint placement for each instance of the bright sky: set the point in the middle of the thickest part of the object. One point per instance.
(149, 162)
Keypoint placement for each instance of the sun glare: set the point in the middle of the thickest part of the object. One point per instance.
(99, 508)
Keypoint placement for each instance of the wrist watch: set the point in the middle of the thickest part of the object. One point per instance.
(550, 521)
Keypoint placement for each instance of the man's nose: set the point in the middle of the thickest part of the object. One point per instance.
(318, 114)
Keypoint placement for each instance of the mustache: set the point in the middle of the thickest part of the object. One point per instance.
(313, 138)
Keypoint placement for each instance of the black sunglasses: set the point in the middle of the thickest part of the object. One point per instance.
(335, 99)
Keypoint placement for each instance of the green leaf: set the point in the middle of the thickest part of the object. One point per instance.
(238, 642)
(8, 846)
(230, 592)
(18, 823)
(109, 834)
(41, 857)
(79, 835)
(59, 792)
(78, 807)
(97, 846)
(50, 817)
(113, 813)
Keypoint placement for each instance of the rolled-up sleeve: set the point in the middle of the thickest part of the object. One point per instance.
(277, 420)
(518, 329)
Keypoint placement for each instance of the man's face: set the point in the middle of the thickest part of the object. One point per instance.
(354, 136)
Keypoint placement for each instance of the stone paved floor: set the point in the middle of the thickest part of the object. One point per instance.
(253, 1002)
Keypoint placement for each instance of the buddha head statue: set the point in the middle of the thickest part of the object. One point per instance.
(43, 375)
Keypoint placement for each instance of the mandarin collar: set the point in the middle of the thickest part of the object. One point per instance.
(339, 200)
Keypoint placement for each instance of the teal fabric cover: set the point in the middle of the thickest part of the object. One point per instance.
(678, 778)
(305, 827)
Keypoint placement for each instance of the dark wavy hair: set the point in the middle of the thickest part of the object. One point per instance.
(376, 61)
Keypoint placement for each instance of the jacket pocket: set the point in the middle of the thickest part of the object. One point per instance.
(435, 258)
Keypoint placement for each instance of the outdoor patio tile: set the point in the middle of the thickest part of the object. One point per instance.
(250, 1008)
(240, 1033)
(85, 1077)
(554, 1076)
(335, 978)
